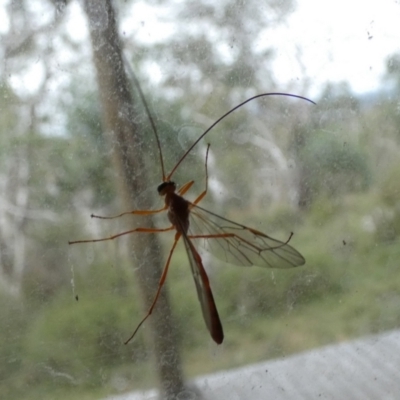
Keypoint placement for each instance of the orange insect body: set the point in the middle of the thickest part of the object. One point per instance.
(228, 240)
(178, 215)
(178, 207)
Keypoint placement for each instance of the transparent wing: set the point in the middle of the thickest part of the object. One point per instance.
(237, 244)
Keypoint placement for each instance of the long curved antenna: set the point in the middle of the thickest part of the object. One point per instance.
(225, 115)
(153, 125)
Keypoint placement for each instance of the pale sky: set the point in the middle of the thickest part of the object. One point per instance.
(340, 40)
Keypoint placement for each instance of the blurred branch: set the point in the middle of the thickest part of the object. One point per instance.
(123, 134)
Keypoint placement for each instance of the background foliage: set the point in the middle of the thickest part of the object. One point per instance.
(328, 173)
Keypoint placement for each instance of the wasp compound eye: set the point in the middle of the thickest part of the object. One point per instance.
(166, 187)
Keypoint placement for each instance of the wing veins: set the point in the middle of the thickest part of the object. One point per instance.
(242, 250)
(213, 227)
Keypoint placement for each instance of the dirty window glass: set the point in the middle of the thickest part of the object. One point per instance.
(279, 173)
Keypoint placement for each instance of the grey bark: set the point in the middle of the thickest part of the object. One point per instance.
(123, 135)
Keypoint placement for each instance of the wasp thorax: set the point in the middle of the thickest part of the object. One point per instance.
(166, 187)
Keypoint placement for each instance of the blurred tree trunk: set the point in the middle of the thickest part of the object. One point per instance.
(17, 126)
(123, 135)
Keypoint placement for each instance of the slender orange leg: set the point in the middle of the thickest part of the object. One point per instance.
(181, 192)
(202, 194)
(233, 235)
(133, 212)
(160, 285)
(185, 188)
(188, 185)
(144, 230)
